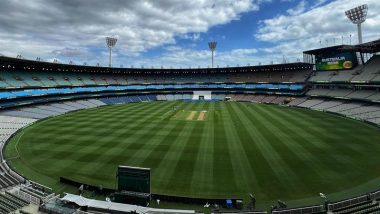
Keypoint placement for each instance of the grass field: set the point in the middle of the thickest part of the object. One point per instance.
(206, 149)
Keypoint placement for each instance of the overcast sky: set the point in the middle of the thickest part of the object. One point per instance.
(174, 33)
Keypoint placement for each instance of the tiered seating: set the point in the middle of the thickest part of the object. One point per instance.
(152, 97)
(10, 204)
(16, 199)
(242, 97)
(321, 76)
(273, 99)
(376, 79)
(133, 99)
(339, 93)
(345, 75)
(345, 106)
(31, 192)
(279, 100)
(374, 120)
(163, 97)
(265, 76)
(363, 207)
(115, 100)
(300, 76)
(170, 97)
(369, 72)
(361, 110)
(87, 103)
(187, 96)
(62, 107)
(369, 115)
(8, 126)
(48, 110)
(297, 101)
(75, 105)
(375, 96)
(258, 98)
(368, 112)
(178, 97)
(318, 92)
(361, 94)
(96, 102)
(310, 103)
(218, 96)
(370, 95)
(268, 99)
(27, 112)
(36, 79)
(327, 104)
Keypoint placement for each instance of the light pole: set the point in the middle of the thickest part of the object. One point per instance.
(111, 42)
(357, 16)
(212, 46)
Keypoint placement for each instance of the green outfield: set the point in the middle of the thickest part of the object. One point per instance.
(206, 149)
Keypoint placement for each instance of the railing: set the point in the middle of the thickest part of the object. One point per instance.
(300, 210)
(348, 202)
(28, 197)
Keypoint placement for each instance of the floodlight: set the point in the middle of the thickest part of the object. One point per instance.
(357, 16)
(212, 46)
(111, 42)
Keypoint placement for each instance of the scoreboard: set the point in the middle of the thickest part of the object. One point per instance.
(133, 185)
(133, 179)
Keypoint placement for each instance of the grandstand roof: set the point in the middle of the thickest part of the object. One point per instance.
(369, 47)
(24, 64)
(117, 207)
(330, 49)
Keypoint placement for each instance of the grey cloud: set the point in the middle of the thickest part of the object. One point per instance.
(40, 27)
(324, 21)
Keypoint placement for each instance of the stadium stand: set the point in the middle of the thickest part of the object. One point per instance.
(310, 103)
(345, 76)
(297, 101)
(14, 77)
(327, 104)
(8, 126)
(258, 98)
(30, 91)
(322, 76)
(365, 94)
(369, 112)
(369, 72)
(317, 209)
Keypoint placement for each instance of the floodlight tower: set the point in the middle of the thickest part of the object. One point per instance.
(357, 16)
(212, 46)
(111, 42)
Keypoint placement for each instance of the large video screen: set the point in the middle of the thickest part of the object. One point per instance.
(336, 61)
(133, 179)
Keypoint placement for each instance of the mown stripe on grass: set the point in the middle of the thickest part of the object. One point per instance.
(204, 159)
(318, 139)
(151, 139)
(243, 146)
(278, 164)
(166, 169)
(315, 170)
(222, 162)
(184, 170)
(260, 167)
(240, 164)
(70, 145)
(119, 141)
